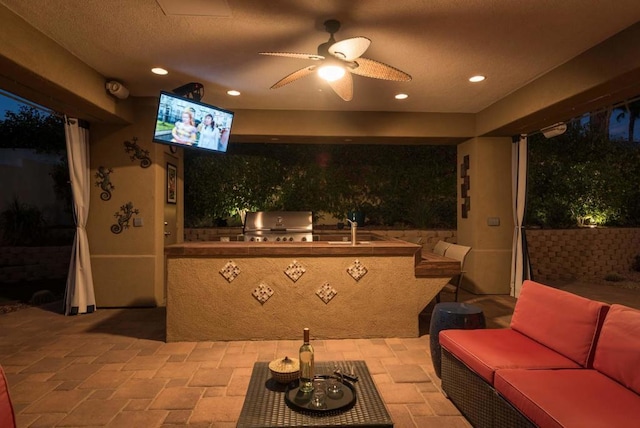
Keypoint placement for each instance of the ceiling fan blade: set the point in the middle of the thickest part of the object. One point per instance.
(350, 49)
(378, 70)
(294, 55)
(299, 74)
(343, 87)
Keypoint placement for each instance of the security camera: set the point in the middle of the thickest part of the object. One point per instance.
(117, 89)
(554, 130)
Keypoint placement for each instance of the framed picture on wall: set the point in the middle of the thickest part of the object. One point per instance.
(172, 184)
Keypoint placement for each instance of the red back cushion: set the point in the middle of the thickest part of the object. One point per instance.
(564, 322)
(618, 348)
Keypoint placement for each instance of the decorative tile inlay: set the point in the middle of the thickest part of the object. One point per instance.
(262, 293)
(230, 271)
(357, 270)
(326, 292)
(294, 271)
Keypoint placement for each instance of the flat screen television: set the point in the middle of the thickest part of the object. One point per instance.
(184, 122)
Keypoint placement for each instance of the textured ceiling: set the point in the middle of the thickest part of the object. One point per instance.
(439, 42)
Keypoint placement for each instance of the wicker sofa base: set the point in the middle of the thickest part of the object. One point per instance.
(476, 399)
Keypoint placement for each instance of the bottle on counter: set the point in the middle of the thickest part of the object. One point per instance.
(306, 364)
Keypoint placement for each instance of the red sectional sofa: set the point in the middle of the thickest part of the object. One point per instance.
(7, 416)
(565, 361)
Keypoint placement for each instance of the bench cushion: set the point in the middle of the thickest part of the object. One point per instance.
(562, 321)
(618, 348)
(485, 351)
(569, 398)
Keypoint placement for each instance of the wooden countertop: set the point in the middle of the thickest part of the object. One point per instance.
(391, 247)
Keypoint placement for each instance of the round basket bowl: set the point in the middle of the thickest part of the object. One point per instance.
(285, 370)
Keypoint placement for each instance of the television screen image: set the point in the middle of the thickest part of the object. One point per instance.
(188, 123)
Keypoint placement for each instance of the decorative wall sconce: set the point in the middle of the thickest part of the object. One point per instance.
(135, 152)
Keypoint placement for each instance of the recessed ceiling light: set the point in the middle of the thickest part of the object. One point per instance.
(233, 92)
(476, 79)
(160, 71)
(401, 96)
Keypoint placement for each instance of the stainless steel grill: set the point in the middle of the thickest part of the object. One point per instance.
(278, 226)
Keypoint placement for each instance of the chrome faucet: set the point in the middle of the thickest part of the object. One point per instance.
(354, 228)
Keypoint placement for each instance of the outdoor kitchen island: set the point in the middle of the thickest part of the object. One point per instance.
(243, 290)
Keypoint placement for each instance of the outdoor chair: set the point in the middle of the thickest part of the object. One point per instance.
(457, 252)
(441, 247)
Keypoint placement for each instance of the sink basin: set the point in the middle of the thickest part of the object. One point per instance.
(348, 242)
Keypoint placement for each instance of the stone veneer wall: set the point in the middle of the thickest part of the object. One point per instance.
(564, 254)
(582, 253)
(555, 254)
(427, 238)
(33, 263)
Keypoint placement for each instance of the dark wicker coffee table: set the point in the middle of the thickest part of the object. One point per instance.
(264, 404)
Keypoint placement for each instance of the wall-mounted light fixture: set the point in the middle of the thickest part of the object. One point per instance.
(554, 130)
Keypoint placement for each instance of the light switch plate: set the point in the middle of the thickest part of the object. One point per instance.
(137, 222)
(493, 221)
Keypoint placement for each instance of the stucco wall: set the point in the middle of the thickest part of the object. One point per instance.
(488, 227)
(385, 302)
(128, 267)
(582, 253)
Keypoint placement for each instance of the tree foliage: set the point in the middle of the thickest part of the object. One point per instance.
(583, 178)
(31, 128)
(393, 185)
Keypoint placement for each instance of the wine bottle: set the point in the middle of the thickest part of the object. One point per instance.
(306, 364)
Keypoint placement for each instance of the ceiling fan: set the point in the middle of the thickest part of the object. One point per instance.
(337, 61)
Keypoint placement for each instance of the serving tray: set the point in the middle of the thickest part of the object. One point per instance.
(301, 401)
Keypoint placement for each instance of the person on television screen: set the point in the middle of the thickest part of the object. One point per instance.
(224, 139)
(209, 134)
(185, 132)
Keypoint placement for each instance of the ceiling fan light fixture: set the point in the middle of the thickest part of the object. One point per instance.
(331, 72)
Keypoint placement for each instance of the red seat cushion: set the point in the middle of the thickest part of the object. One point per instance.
(618, 348)
(562, 321)
(485, 351)
(581, 398)
(7, 416)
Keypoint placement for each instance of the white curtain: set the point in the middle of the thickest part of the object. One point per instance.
(79, 296)
(520, 267)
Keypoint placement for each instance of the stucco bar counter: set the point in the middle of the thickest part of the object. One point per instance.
(269, 291)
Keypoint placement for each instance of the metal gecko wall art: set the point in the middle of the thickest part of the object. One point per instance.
(103, 181)
(135, 152)
(123, 216)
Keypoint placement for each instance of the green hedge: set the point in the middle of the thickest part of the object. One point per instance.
(412, 186)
